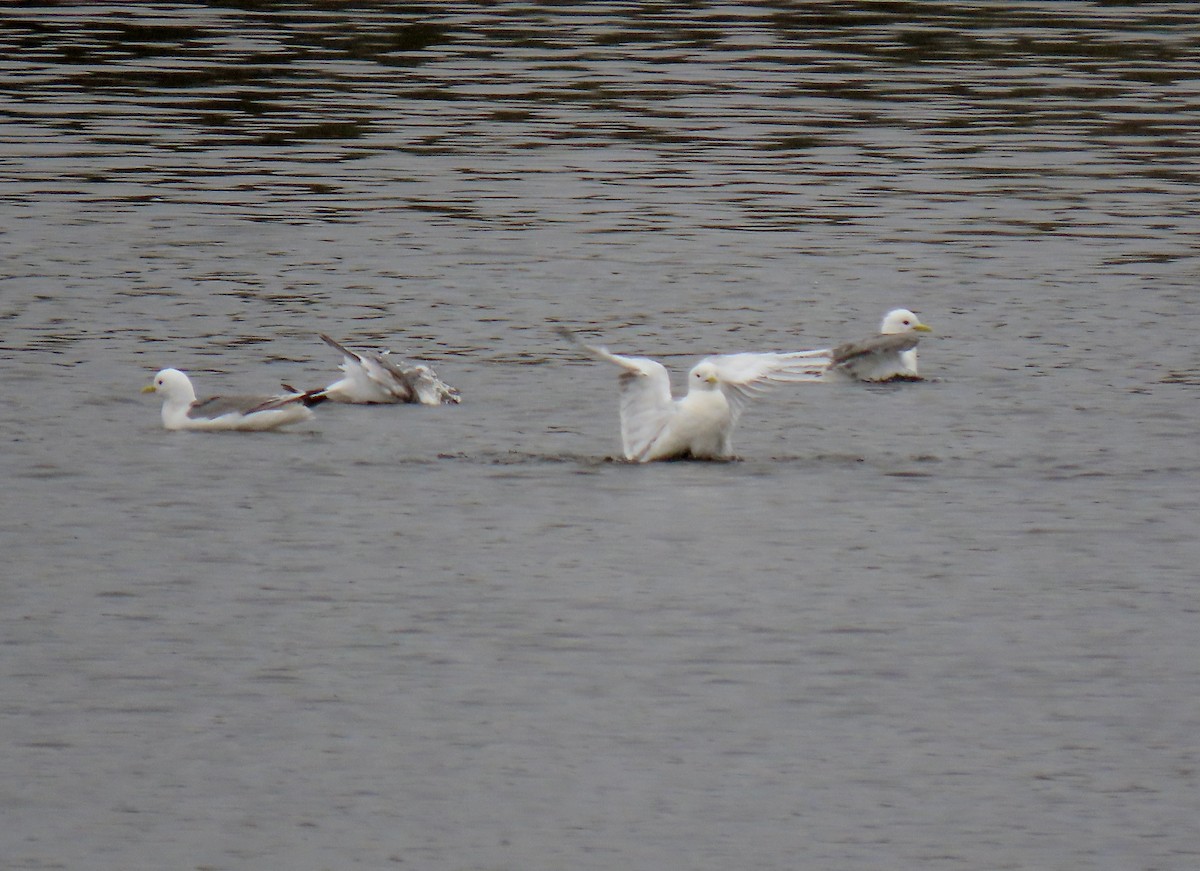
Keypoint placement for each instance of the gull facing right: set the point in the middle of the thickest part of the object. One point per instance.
(889, 356)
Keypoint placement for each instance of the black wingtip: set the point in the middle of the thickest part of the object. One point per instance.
(308, 398)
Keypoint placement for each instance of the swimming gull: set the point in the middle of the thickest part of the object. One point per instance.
(383, 378)
(699, 425)
(182, 410)
(889, 356)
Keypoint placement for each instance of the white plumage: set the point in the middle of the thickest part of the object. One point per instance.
(699, 425)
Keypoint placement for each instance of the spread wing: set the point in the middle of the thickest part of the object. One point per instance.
(745, 376)
(645, 386)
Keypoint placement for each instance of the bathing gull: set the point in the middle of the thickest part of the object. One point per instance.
(699, 426)
(383, 378)
(181, 409)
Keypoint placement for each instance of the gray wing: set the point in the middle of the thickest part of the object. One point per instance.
(346, 352)
(219, 406)
(874, 359)
(891, 344)
(389, 374)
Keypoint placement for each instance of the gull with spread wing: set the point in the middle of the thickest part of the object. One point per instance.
(699, 425)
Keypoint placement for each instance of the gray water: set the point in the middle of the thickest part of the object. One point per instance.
(938, 626)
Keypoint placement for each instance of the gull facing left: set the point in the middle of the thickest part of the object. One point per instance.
(699, 425)
(182, 410)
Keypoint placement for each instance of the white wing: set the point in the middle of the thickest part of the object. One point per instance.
(745, 376)
(646, 404)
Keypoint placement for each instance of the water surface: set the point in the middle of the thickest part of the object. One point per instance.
(946, 625)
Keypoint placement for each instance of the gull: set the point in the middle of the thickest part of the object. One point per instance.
(699, 425)
(382, 378)
(181, 409)
(889, 356)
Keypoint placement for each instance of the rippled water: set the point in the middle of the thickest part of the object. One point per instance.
(946, 625)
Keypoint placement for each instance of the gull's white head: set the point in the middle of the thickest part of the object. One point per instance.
(703, 376)
(901, 320)
(173, 386)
